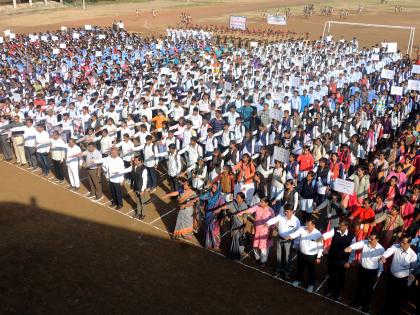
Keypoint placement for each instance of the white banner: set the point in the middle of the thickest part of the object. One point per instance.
(413, 85)
(416, 69)
(276, 20)
(237, 22)
(275, 114)
(391, 48)
(343, 186)
(396, 90)
(387, 74)
(281, 155)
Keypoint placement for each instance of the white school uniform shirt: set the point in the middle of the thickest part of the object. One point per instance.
(150, 152)
(113, 168)
(72, 160)
(106, 144)
(370, 255)
(285, 226)
(127, 150)
(58, 149)
(29, 136)
(194, 152)
(42, 142)
(174, 164)
(196, 120)
(403, 262)
(308, 244)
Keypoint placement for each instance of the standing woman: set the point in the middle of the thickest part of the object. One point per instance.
(184, 220)
(361, 189)
(262, 241)
(213, 200)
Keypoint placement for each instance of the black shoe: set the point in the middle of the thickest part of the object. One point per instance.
(118, 207)
(141, 217)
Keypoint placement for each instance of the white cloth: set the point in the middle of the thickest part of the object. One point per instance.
(403, 262)
(114, 168)
(42, 142)
(285, 226)
(308, 244)
(370, 255)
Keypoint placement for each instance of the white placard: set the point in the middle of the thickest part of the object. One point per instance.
(281, 154)
(129, 47)
(44, 38)
(228, 86)
(391, 47)
(63, 45)
(56, 51)
(54, 38)
(343, 186)
(158, 46)
(413, 85)
(165, 70)
(387, 74)
(253, 44)
(375, 57)
(12, 35)
(276, 96)
(76, 35)
(276, 19)
(7, 33)
(101, 36)
(120, 25)
(396, 90)
(415, 69)
(63, 28)
(276, 114)
(1, 40)
(237, 22)
(88, 27)
(98, 54)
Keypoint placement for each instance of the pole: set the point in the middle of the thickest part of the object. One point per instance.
(84, 6)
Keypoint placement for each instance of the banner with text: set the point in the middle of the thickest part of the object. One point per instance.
(237, 22)
(276, 19)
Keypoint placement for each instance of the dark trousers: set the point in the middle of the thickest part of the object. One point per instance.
(30, 153)
(174, 183)
(365, 282)
(396, 289)
(116, 193)
(308, 262)
(152, 176)
(127, 164)
(95, 182)
(58, 169)
(336, 275)
(6, 149)
(283, 255)
(44, 162)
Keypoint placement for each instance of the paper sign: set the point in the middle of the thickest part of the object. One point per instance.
(1, 40)
(296, 82)
(129, 47)
(276, 96)
(165, 70)
(228, 86)
(56, 51)
(101, 36)
(343, 186)
(396, 90)
(276, 114)
(253, 44)
(88, 27)
(387, 74)
(158, 46)
(375, 57)
(63, 45)
(281, 155)
(12, 36)
(98, 54)
(54, 37)
(391, 47)
(276, 19)
(44, 38)
(63, 28)
(76, 35)
(413, 85)
(7, 33)
(415, 69)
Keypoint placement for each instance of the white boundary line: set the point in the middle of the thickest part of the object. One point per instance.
(191, 242)
(322, 283)
(162, 216)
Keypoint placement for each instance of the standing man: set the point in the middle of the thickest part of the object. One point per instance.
(42, 149)
(338, 259)
(114, 168)
(58, 154)
(402, 267)
(150, 152)
(73, 153)
(29, 136)
(94, 171)
(309, 253)
(18, 141)
(4, 140)
(287, 224)
(174, 166)
(369, 269)
(139, 178)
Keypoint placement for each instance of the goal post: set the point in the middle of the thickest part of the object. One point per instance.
(412, 29)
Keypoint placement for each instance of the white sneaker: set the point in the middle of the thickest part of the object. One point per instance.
(295, 283)
(310, 289)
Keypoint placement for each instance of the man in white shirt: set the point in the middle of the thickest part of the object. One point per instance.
(58, 154)
(73, 153)
(150, 153)
(174, 166)
(139, 177)
(42, 149)
(114, 168)
(309, 253)
(94, 171)
(403, 264)
(370, 268)
(30, 144)
(287, 224)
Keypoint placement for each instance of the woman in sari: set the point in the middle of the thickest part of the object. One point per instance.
(213, 201)
(361, 189)
(185, 220)
(393, 225)
(262, 241)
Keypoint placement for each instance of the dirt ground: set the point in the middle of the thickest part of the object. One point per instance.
(217, 13)
(63, 254)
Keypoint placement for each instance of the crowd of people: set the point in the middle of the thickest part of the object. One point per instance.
(266, 141)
